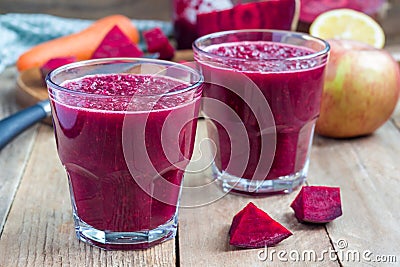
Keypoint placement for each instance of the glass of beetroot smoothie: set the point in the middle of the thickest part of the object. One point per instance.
(261, 99)
(125, 132)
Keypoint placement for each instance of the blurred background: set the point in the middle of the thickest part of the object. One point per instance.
(150, 9)
(91, 9)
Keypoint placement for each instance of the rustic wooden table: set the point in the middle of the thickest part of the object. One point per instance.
(36, 226)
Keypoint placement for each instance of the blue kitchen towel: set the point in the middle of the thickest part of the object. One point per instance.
(19, 32)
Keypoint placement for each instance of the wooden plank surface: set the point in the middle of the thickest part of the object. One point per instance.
(203, 231)
(39, 227)
(39, 230)
(367, 170)
(396, 116)
(203, 234)
(14, 156)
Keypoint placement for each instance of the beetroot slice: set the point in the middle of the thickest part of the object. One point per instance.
(317, 204)
(271, 14)
(253, 228)
(157, 42)
(54, 63)
(116, 44)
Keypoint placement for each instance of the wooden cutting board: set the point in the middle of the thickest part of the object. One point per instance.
(31, 89)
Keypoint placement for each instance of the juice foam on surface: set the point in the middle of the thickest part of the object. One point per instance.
(122, 92)
(262, 56)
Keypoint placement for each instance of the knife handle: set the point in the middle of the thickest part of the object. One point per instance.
(15, 124)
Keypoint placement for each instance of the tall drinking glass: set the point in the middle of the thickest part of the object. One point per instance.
(125, 132)
(261, 99)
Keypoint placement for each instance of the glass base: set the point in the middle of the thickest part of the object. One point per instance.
(281, 185)
(125, 240)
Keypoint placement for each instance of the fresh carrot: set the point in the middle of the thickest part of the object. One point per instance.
(80, 45)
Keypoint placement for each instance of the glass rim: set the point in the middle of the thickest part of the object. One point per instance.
(104, 61)
(305, 36)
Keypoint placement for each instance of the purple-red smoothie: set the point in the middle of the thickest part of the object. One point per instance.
(89, 135)
(292, 89)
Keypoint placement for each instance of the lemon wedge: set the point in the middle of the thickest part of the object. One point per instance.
(348, 24)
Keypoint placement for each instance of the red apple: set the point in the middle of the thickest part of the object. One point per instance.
(362, 86)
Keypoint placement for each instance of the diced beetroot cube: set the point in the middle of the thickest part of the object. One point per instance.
(317, 204)
(116, 44)
(253, 228)
(54, 63)
(157, 42)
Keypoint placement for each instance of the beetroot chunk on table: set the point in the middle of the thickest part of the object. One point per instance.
(253, 228)
(317, 204)
(157, 42)
(117, 44)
